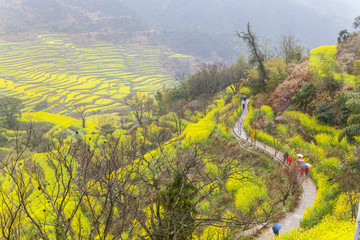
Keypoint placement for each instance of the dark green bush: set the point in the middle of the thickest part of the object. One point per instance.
(304, 96)
(325, 113)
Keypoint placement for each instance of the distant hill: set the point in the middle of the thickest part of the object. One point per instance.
(346, 9)
(271, 18)
(203, 28)
(66, 16)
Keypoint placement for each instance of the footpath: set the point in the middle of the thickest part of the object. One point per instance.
(292, 219)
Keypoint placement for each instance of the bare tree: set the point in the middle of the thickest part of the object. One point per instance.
(235, 75)
(253, 45)
(156, 194)
(126, 188)
(177, 110)
(113, 194)
(268, 48)
(290, 49)
(34, 190)
(141, 106)
(63, 161)
(287, 181)
(17, 202)
(186, 181)
(207, 81)
(80, 110)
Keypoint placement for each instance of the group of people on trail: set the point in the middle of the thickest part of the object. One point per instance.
(297, 160)
(304, 168)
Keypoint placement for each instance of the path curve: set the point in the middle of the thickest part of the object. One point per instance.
(292, 219)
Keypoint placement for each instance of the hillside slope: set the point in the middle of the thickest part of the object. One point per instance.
(65, 16)
(201, 28)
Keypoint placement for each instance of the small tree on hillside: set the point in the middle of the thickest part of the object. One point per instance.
(348, 177)
(277, 72)
(353, 128)
(208, 80)
(325, 113)
(178, 114)
(235, 75)
(258, 123)
(343, 34)
(177, 199)
(140, 106)
(290, 49)
(287, 181)
(304, 96)
(356, 23)
(10, 109)
(80, 110)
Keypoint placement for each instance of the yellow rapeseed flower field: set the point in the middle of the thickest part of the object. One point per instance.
(52, 68)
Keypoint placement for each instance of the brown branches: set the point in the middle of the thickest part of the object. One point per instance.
(252, 42)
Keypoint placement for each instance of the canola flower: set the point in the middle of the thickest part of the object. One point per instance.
(324, 58)
(329, 229)
(81, 69)
(200, 130)
(329, 203)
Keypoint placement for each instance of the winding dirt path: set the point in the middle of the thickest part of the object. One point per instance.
(291, 219)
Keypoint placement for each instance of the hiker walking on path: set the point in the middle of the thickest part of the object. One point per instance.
(252, 137)
(243, 104)
(286, 156)
(276, 228)
(289, 160)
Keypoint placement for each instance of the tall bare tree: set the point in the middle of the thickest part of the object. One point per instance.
(253, 45)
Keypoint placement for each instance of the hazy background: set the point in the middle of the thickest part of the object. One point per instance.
(202, 28)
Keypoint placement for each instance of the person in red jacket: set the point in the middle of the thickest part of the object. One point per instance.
(289, 160)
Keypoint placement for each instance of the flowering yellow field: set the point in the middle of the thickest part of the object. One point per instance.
(52, 68)
(323, 61)
(329, 229)
(329, 217)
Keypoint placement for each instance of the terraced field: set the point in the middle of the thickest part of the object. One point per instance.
(51, 68)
